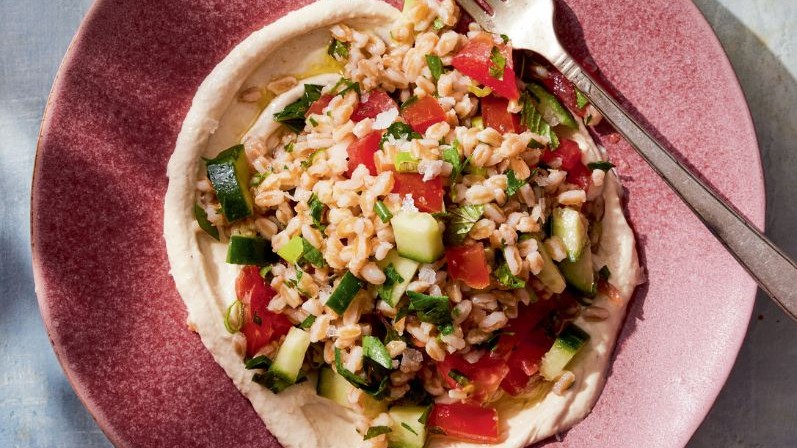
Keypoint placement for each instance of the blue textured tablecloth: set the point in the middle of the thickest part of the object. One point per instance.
(37, 405)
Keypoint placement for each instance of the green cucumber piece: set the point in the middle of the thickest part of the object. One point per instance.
(405, 162)
(551, 109)
(477, 122)
(567, 344)
(344, 293)
(292, 250)
(580, 274)
(249, 250)
(407, 430)
(202, 219)
(334, 387)
(418, 236)
(549, 274)
(290, 357)
(571, 227)
(374, 348)
(476, 170)
(405, 267)
(229, 175)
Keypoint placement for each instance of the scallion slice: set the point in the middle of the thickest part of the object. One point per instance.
(234, 317)
(382, 211)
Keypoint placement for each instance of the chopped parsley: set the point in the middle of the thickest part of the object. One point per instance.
(375, 431)
(433, 309)
(338, 48)
(581, 99)
(258, 362)
(460, 222)
(349, 85)
(409, 102)
(293, 116)
(505, 277)
(438, 24)
(257, 179)
(533, 120)
(435, 65)
(204, 223)
(307, 322)
(398, 131)
(498, 63)
(316, 211)
(513, 184)
(392, 278)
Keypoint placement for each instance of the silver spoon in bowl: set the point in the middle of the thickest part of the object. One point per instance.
(529, 23)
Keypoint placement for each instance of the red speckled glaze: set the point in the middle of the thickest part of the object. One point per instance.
(118, 325)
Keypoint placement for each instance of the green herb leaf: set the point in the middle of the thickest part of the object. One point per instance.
(312, 255)
(375, 431)
(293, 116)
(316, 211)
(349, 85)
(604, 273)
(338, 48)
(581, 99)
(257, 179)
(289, 147)
(258, 362)
(513, 184)
(451, 155)
(438, 24)
(435, 65)
(603, 165)
(533, 120)
(408, 102)
(398, 131)
(459, 377)
(273, 382)
(234, 317)
(382, 211)
(313, 121)
(447, 329)
(376, 389)
(433, 309)
(498, 63)
(374, 349)
(202, 219)
(460, 222)
(392, 278)
(506, 278)
(307, 322)
(401, 313)
(408, 428)
(504, 37)
(309, 161)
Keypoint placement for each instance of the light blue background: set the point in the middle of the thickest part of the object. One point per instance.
(37, 405)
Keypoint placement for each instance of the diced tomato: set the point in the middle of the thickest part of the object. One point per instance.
(564, 90)
(423, 113)
(580, 175)
(466, 421)
(469, 264)
(525, 360)
(428, 196)
(497, 117)
(318, 106)
(474, 60)
(485, 374)
(528, 318)
(568, 152)
(376, 102)
(361, 152)
(261, 326)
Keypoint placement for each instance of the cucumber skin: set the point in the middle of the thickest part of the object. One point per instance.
(229, 175)
(580, 274)
(246, 250)
(345, 292)
(549, 103)
(400, 437)
(567, 345)
(285, 365)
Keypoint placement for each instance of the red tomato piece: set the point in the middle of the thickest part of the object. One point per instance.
(580, 175)
(568, 152)
(375, 103)
(261, 326)
(485, 374)
(525, 360)
(466, 421)
(318, 106)
(361, 152)
(474, 60)
(428, 196)
(469, 264)
(497, 117)
(423, 113)
(564, 90)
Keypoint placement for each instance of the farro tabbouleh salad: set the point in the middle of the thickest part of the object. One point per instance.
(424, 238)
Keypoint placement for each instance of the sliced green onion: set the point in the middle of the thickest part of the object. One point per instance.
(435, 65)
(405, 162)
(382, 211)
(374, 349)
(375, 431)
(234, 317)
(480, 92)
(307, 322)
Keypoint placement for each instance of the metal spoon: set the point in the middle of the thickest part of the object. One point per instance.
(529, 23)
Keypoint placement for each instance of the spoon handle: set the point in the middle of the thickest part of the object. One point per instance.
(774, 272)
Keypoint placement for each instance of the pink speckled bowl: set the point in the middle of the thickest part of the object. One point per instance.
(118, 325)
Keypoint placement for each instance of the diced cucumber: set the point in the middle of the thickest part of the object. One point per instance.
(477, 122)
(407, 430)
(405, 162)
(292, 250)
(202, 219)
(567, 344)
(550, 275)
(336, 388)
(418, 236)
(344, 293)
(229, 174)
(580, 274)
(290, 356)
(571, 227)
(551, 109)
(405, 267)
(249, 250)
(475, 170)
